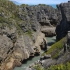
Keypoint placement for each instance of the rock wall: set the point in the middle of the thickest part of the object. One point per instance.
(64, 20)
(15, 48)
(42, 14)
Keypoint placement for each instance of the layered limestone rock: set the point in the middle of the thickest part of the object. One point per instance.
(41, 42)
(49, 31)
(44, 15)
(64, 20)
(22, 49)
(20, 31)
(6, 47)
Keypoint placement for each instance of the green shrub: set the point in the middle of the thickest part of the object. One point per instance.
(38, 67)
(68, 66)
(60, 67)
(8, 5)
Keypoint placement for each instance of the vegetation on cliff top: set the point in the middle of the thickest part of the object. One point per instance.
(9, 15)
(8, 5)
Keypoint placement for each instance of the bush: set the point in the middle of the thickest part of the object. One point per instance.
(60, 67)
(8, 5)
(38, 67)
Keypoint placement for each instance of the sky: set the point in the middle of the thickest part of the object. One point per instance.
(40, 1)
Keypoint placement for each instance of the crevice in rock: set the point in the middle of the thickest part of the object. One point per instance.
(43, 24)
(10, 50)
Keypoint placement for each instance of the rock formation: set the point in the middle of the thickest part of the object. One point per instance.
(63, 27)
(20, 31)
(64, 20)
(44, 15)
(23, 29)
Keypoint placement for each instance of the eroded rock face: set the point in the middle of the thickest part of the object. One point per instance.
(20, 32)
(44, 14)
(64, 20)
(24, 47)
(6, 47)
(49, 31)
(38, 16)
(20, 51)
(41, 42)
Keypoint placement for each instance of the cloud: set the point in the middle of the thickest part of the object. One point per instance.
(40, 1)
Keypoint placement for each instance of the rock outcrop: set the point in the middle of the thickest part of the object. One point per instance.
(6, 47)
(44, 15)
(48, 31)
(64, 20)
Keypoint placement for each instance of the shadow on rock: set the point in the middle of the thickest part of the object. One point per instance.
(50, 43)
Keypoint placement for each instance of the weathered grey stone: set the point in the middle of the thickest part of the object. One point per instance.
(48, 62)
(49, 31)
(64, 20)
(44, 14)
(45, 57)
(6, 47)
(63, 59)
(21, 52)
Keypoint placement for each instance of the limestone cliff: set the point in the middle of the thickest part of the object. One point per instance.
(20, 31)
(64, 20)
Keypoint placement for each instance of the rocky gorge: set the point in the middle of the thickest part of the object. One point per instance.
(58, 56)
(24, 28)
(21, 31)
